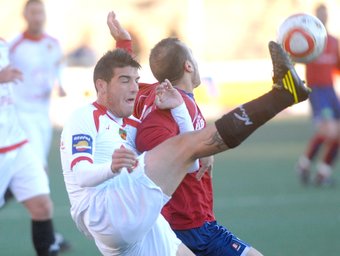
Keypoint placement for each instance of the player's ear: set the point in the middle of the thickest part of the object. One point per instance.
(188, 67)
(100, 85)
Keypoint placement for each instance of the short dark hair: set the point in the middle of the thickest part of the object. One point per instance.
(167, 59)
(117, 58)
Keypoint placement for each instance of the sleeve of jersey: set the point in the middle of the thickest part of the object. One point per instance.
(91, 175)
(79, 140)
(182, 118)
(125, 44)
(157, 127)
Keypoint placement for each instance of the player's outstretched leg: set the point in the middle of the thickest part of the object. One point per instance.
(288, 89)
(285, 77)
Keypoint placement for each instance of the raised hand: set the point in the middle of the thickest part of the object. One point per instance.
(116, 30)
(167, 97)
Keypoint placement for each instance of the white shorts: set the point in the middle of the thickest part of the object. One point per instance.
(124, 216)
(23, 174)
(38, 129)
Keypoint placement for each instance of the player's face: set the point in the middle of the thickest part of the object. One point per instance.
(121, 91)
(35, 17)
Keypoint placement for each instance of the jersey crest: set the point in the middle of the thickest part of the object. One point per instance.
(122, 133)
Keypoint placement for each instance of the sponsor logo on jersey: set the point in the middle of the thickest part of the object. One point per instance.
(81, 143)
(200, 123)
(122, 133)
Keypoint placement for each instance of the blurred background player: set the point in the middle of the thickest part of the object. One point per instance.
(21, 171)
(190, 210)
(38, 56)
(326, 111)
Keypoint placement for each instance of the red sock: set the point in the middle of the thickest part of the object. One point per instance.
(331, 152)
(314, 146)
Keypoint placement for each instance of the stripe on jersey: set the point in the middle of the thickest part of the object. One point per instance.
(81, 158)
(12, 147)
(131, 122)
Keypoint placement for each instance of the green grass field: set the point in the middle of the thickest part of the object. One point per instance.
(257, 196)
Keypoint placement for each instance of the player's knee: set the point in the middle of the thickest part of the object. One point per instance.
(39, 207)
(329, 130)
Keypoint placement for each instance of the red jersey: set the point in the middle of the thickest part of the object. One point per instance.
(320, 72)
(192, 203)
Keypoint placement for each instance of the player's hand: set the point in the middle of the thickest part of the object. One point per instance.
(123, 157)
(116, 30)
(206, 166)
(10, 74)
(167, 97)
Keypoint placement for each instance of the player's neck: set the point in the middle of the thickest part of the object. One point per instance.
(185, 85)
(29, 33)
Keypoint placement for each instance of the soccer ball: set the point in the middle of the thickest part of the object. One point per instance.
(303, 37)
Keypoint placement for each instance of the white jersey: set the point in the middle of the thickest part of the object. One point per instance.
(92, 135)
(120, 212)
(10, 132)
(39, 60)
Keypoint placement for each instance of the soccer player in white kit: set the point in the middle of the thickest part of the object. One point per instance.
(92, 134)
(21, 171)
(38, 56)
(116, 197)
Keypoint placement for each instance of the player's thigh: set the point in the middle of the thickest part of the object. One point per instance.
(123, 209)
(168, 163)
(29, 177)
(253, 252)
(184, 251)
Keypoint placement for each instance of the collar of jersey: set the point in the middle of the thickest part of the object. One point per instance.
(31, 37)
(190, 94)
(104, 111)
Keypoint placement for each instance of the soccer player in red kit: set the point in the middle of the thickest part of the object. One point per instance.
(326, 110)
(190, 218)
(190, 210)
